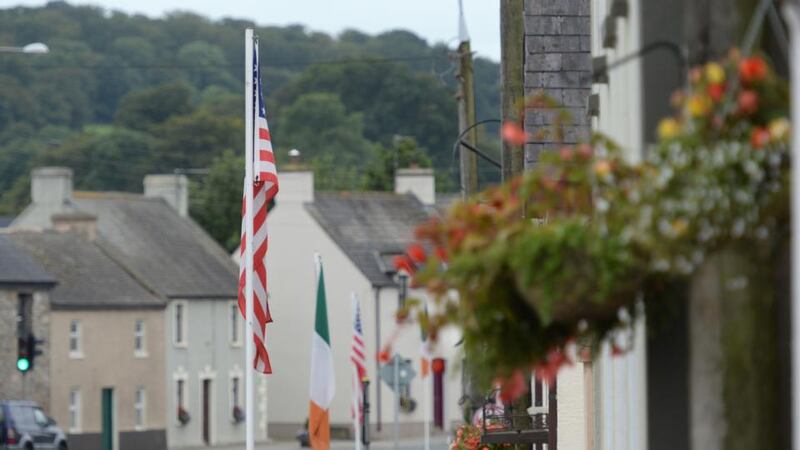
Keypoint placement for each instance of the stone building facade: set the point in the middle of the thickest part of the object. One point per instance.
(558, 63)
(23, 282)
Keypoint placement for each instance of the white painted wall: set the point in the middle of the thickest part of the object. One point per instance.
(620, 382)
(294, 237)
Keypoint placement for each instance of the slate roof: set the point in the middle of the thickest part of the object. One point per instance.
(87, 276)
(17, 268)
(369, 226)
(5, 221)
(170, 253)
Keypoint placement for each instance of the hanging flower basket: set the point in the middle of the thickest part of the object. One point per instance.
(183, 416)
(562, 255)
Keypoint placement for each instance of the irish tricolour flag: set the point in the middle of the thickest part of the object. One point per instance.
(322, 381)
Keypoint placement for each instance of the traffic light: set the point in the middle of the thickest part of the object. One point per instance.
(27, 351)
(23, 354)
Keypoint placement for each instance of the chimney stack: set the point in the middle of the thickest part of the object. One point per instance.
(174, 188)
(418, 181)
(77, 222)
(51, 185)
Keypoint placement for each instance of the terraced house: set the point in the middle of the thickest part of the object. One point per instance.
(154, 240)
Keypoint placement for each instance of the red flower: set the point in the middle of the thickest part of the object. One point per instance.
(715, 91)
(759, 137)
(752, 69)
(403, 262)
(548, 369)
(748, 102)
(585, 151)
(417, 253)
(441, 253)
(513, 387)
(566, 154)
(514, 134)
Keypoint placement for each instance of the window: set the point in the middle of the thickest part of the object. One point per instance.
(180, 323)
(235, 392)
(74, 410)
(139, 405)
(139, 343)
(236, 326)
(75, 347)
(40, 418)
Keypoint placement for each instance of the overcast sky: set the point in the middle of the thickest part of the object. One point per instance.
(434, 20)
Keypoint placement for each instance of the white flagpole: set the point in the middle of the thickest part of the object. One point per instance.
(248, 254)
(356, 383)
(792, 15)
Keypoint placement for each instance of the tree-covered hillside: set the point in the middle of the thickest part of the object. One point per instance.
(120, 96)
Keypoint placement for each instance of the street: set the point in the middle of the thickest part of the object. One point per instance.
(437, 443)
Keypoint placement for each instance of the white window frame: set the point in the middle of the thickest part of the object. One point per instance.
(183, 305)
(75, 335)
(140, 334)
(233, 311)
(74, 408)
(139, 409)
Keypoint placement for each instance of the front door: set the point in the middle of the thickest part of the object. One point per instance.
(207, 412)
(107, 417)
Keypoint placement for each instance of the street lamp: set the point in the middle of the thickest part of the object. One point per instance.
(33, 48)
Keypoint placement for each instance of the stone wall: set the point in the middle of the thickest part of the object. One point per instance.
(558, 62)
(35, 384)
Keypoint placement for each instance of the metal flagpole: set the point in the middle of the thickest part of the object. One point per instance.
(248, 189)
(426, 402)
(356, 382)
(792, 15)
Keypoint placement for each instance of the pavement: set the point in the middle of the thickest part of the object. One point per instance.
(437, 443)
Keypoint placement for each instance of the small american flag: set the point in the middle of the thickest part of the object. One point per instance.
(357, 352)
(265, 186)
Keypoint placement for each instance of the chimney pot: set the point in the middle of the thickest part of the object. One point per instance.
(51, 185)
(418, 181)
(174, 188)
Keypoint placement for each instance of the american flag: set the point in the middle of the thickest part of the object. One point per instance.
(265, 186)
(357, 352)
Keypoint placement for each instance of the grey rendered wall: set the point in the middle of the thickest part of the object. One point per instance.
(209, 354)
(558, 63)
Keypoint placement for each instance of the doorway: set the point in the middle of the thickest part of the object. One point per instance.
(107, 415)
(207, 412)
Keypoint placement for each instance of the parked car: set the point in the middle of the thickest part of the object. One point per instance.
(24, 426)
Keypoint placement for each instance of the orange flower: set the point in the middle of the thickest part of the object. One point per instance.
(514, 134)
(748, 102)
(602, 168)
(759, 137)
(566, 154)
(752, 69)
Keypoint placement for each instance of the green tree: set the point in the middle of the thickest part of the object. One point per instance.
(141, 110)
(385, 162)
(216, 199)
(318, 123)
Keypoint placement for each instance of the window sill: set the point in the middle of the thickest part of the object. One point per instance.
(236, 344)
(76, 355)
(141, 355)
(180, 344)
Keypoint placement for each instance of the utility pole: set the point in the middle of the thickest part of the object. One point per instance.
(512, 54)
(466, 109)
